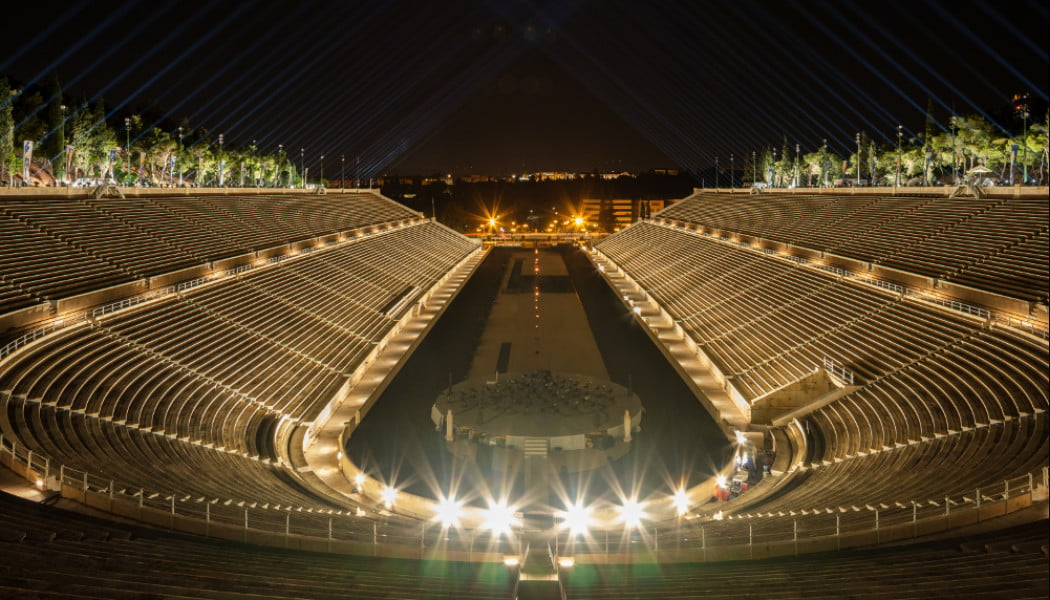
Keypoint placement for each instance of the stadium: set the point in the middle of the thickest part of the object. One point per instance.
(192, 369)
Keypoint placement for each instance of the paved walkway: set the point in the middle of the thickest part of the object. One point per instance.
(323, 453)
(545, 326)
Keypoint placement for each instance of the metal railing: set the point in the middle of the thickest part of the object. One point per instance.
(833, 367)
(367, 530)
(38, 333)
(955, 305)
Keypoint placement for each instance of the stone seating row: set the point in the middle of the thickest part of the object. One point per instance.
(937, 393)
(50, 553)
(174, 390)
(55, 248)
(934, 237)
(1006, 566)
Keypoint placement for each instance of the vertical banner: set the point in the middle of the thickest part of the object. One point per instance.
(112, 161)
(27, 159)
(70, 176)
(1013, 162)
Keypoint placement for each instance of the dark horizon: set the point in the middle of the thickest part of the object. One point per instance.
(498, 88)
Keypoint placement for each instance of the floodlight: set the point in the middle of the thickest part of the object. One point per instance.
(388, 495)
(566, 562)
(721, 481)
(499, 518)
(681, 501)
(631, 513)
(449, 512)
(576, 518)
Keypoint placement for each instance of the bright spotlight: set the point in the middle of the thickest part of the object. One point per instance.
(388, 495)
(448, 512)
(499, 518)
(631, 513)
(359, 482)
(492, 222)
(721, 481)
(566, 562)
(741, 439)
(511, 561)
(578, 221)
(576, 518)
(681, 501)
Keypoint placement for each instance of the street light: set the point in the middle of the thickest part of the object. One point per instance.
(222, 163)
(321, 181)
(63, 147)
(342, 171)
(798, 148)
(179, 155)
(716, 173)
(824, 166)
(900, 133)
(302, 165)
(732, 173)
(276, 168)
(754, 168)
(255, 180)
(1024, 140)
(858, 159)
(127, 151)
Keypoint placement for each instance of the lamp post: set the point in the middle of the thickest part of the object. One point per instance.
(732, 172)
(1024, 141)
(900, 133)
(716, 173)
(62, 144)
(276, 168)
(858, 159)
(302, 165)
(824, 162)
(773, 167)
(127, 151)
(179, 155)
(222, 163)
(255, 181)
(320, 182)
(754, 168)
(798, 148)
(342, 171)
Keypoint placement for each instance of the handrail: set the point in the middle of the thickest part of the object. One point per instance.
(37, 333)
(361, 528)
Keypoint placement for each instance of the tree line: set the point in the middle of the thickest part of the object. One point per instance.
(79, 142)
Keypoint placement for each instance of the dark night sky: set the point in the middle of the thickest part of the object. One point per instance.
(499, 87)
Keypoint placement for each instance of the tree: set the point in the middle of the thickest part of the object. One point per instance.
(7, 130)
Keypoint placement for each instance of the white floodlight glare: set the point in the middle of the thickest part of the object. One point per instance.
(721, 481)
(511, 561)
(499, 518)
(566, 562)
(576, 518)
(681, 501)
(741, 439)
(448, 512)
(388, 495)
(631, 513)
